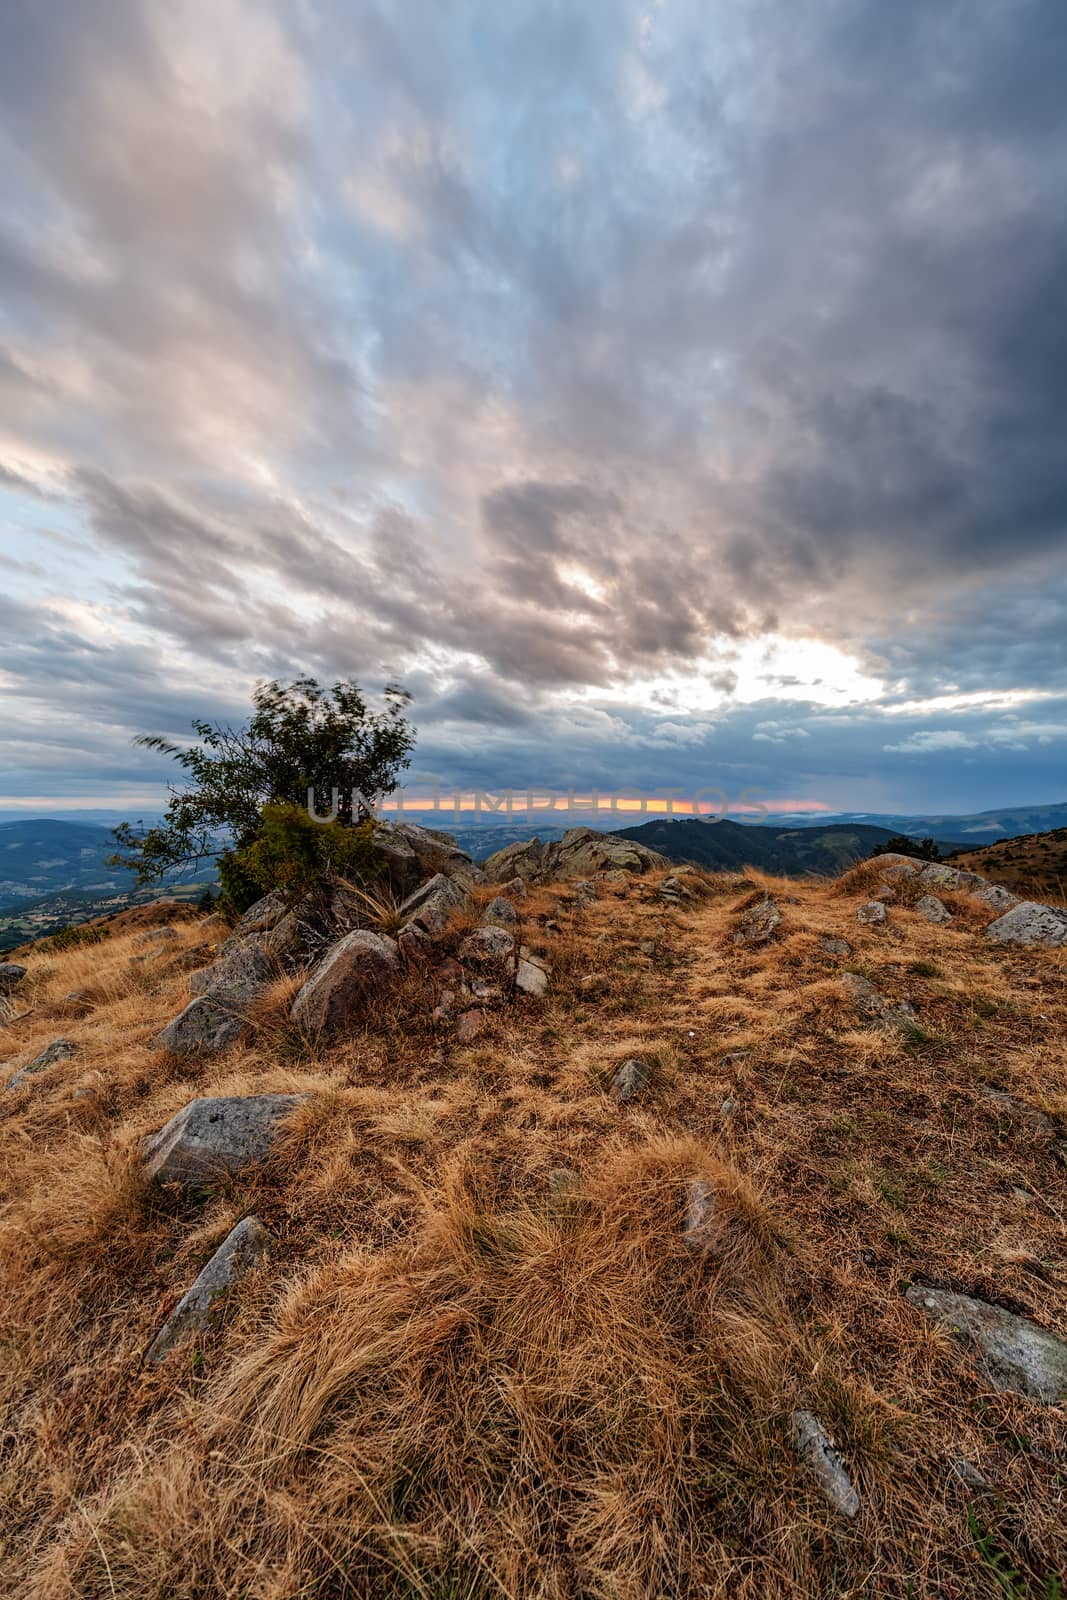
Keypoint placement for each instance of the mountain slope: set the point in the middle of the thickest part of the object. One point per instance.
(724, 845)
(1034, 865)
(482, 1359)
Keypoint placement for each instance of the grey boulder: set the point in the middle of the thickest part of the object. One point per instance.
(872, 912)
(1012, 1352)
(11, 975)
(629, 1079)
(430, 908)
(349, 977)
(500, 913)
(211, 1137)
(247, 1244)
(488, 947)
(1029, 923)
(933, 909)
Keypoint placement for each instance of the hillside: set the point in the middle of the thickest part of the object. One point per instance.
(723, 845)
(545, 1290)
(1034, 865)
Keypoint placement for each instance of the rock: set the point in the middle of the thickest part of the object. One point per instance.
(531, 977)
(210, 1023)
(157, 936)
(673, 889)
(561, 1180)
(195, 957)
(211, 1137)
(584, 893)
(967, 1473)
(647, 947)
(247, 1244)
(285, 939)
(410, 854)
(835, 947)
(469, 1025)
(700, 1228)
(517, 887)
(241, 973)
(264, 914)
(759, 924)
(996, 896)
(888, 1014)
(933, 909)
(11, 975)
(872, 912)
(486, 994)
(814, 1445)
(58, 1050)
(582, 852)
(728, 1108)
(630, 1079)
(937, 875)
(488, 947)
(349, 977)
(896, 868)
(616, 879)
(522, 859)
(431, 907)
(1029, 923)
(500, 913)
(1013, 1353)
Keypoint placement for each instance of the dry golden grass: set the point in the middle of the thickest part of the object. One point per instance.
(457, 1378)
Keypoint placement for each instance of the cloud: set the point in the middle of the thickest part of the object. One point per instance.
(539, 357)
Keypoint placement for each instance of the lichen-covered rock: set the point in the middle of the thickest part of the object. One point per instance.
(1030, 924)
(835, 947)
(430, 908)
(759, 923)
(261, 916)
(1012, 1352)
(211, 1137)
(410, 853)
(895, 865)
(357, 969)
(938, 875)
(469, 1025)
(11, 975)
(629, 1079)
(209, 1023)
(872, 913)
(500, 913)
(58, 1050)
(247, 1244)
(814, 1445)
(488, 947)
(522, 859)
(242, 972)
(582, 852)
(933, 909)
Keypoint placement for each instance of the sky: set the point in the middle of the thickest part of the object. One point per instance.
(669, 395)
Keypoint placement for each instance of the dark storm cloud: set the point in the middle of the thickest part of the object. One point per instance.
(531, 352)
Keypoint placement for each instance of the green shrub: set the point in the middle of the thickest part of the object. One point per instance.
(296, 855)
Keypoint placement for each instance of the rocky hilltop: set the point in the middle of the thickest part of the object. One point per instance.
(571, 1226)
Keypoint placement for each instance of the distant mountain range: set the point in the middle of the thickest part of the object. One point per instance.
(794, 852)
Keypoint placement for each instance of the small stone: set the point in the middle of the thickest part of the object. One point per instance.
(247, 1244)
(630, 1079)
(58, 1050)
(469, 1025)
(760, 923)
(562, 1179)
(647, 947)
(968, 1474)
(242, 972)
(814, 1445)
(872, 913)
(517, 887)
(211, 1137)
(1013, 1353)
(700, 1229)
(835, 947)
(728, 1107)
